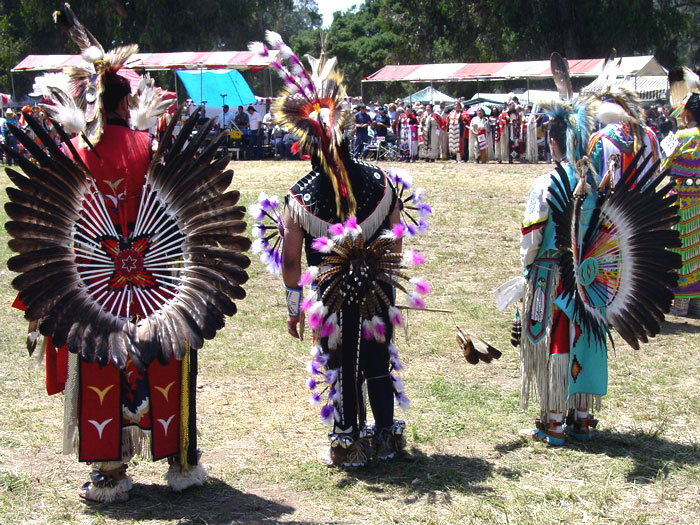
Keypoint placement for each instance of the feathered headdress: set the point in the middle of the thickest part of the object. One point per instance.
(576, 113)
(76, 94)
(617, 104)
(311, 107)
(683, 83)
(86, 81)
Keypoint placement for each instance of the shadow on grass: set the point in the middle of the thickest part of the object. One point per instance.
(215, 503)
(669, 327)
(424, 475)
(652, 455)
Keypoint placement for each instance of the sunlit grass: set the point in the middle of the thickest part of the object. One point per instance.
(261, 439)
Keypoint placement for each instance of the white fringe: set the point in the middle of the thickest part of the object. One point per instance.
(534, 357)
(179, 478)
(319, 228)
(558, 384)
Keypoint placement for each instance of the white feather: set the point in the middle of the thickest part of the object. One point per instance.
(147, 105)
(64, 110)
(274, 39)
(92, 54)
(256, 47)
(609, 113)
(43, 82)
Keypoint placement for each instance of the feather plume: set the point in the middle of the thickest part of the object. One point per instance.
(69, 23)
(682, 81)
(311, 107)
(608, 73)
(560, 73)
(147, 104)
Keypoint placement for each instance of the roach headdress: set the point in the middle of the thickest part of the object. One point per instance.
(577, 113)
(311, 106)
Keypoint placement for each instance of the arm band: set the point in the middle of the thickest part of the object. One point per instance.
(293, 298)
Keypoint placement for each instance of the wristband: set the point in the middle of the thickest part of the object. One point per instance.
(293, 298)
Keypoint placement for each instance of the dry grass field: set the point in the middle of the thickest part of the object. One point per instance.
(465, 462)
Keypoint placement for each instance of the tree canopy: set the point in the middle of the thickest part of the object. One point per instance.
(373, 34)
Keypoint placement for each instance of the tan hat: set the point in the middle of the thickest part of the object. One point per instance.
(9, 113)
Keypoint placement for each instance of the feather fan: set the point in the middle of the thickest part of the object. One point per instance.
(475, 349)
(169, 283)
(618, 271)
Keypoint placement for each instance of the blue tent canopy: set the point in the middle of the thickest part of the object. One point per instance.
(208, 86)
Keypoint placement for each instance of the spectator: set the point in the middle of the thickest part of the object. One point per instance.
(256, 133)
(226, 118)
(666, 123)
(382, 122)
(362, 122)
(277, 141)
(392, 114)
(8, 138)
(241, 119)
(371, 111)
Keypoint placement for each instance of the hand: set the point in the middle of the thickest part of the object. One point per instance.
(292, 323)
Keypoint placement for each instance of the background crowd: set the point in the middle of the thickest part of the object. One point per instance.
(512, 132)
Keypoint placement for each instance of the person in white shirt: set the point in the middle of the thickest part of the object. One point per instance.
(255, 139)
(226, 118)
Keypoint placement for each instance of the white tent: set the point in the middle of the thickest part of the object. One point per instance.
(429, 94)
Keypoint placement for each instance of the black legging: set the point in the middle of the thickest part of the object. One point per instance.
(371, 365)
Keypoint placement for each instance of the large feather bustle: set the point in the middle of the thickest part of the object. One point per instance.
(59, 227)
(630, 236)
(311, 106)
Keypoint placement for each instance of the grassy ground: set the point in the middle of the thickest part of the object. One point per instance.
(465, 463)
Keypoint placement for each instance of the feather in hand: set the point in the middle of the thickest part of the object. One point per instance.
(475, 349)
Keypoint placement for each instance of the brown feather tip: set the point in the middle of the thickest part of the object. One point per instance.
(475, 349)
(32, 336)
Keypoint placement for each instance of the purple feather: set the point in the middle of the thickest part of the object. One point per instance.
(327, 414)
(315, 398)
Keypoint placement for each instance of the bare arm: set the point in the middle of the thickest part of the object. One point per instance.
(291, 262)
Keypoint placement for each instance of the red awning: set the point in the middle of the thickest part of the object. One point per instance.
(389, 73)
(242, 60)
(535, 69)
